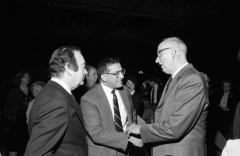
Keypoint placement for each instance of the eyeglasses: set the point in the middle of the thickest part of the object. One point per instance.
(118, 73)
(161, 50)
(160, 54)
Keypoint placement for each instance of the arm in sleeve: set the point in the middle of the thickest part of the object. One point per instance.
(48, 131)
(186, 111)
(98, 132)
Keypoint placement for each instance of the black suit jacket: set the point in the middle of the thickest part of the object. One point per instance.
(56, 124)
(138, 103)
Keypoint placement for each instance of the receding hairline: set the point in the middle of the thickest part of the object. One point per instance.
(174, 42)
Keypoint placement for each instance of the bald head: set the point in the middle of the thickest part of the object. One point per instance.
(174, 43)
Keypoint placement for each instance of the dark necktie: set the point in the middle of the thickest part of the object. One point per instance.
(117, 116)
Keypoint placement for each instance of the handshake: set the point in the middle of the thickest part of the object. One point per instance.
(133, 131)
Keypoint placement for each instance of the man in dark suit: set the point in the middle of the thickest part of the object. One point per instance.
(227, 100)
(55, 124)
(156, 90)
(105, 120)
(179, 128)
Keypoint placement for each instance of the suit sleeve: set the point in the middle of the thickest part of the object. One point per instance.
(48, 131)
(99, 133)
(188, 104)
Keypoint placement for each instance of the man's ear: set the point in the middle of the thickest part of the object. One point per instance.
(103, 77)
(68, 70)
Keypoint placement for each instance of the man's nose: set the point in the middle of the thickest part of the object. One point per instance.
(157, 60)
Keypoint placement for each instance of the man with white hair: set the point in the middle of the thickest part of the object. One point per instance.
(179, 128)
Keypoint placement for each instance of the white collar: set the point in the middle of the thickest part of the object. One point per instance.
(106, 88)
(62, 83)
(175, 73)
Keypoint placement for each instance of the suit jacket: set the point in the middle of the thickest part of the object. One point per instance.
(179, 128)
(56, 124)
(104, 140)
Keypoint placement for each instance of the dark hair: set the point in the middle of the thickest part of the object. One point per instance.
(61, 57)
(18, 77)
(132, 78)
(103, 66)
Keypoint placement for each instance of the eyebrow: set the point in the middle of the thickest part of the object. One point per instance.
(161, 50)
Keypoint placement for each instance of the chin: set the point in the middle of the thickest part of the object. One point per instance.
(119, 86)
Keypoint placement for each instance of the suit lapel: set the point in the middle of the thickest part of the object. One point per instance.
(173, 83)
(126, 101)
(76, 107)
(102, 97)
(164, 94)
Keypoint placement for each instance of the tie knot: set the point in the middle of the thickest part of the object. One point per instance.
(113, 91)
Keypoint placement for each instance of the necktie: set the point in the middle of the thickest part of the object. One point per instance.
(117, 116)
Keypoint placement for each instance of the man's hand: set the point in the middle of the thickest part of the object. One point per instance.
(133, 128)
(135, 141)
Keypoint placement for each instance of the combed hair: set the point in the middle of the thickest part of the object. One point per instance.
(61, 57)
(103, 66)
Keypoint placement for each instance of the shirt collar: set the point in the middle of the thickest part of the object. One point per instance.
(107, 89)
(177, 71)
(62, 83)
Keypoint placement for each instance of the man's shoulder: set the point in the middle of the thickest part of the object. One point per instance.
(94, 91)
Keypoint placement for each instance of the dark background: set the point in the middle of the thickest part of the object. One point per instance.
(128, 29)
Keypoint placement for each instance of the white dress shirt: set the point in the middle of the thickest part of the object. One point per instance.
(122, 109)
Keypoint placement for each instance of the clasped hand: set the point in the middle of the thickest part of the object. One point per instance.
(134, 129)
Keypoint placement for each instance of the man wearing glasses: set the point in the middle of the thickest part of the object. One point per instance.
(107, 110)
(179, 128)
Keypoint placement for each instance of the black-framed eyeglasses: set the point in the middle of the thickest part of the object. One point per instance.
(118, 73)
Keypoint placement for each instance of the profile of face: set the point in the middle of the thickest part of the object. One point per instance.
(36, 89)
(114, 77)
(91, 77)
(165, 57)
(130, 85)
(78, 76)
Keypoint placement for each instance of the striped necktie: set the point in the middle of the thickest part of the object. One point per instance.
(117, 116)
